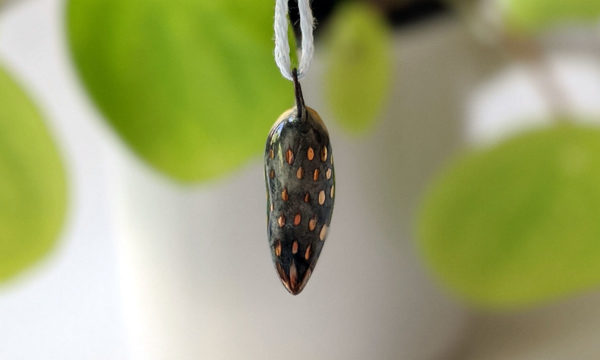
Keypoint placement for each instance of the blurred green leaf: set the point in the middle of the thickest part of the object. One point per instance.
(293, 48)
(359, 61)
(535, 15)
(191, 86)
(32, 183)
(519, 223)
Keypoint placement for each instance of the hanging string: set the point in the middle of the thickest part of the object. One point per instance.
(282, 47)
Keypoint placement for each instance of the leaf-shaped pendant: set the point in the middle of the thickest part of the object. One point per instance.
(300, 191)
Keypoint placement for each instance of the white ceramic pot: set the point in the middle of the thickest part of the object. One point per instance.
(198, 278)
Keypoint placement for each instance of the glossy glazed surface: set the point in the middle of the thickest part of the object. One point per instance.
(300, 194)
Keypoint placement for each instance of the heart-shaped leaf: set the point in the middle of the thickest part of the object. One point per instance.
(32, 183)
(191, 86)
(529, 16)
(519, 223)
(359, 62)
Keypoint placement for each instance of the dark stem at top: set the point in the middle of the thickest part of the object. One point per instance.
(301, 108)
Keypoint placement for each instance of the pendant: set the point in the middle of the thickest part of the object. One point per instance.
(300, 182)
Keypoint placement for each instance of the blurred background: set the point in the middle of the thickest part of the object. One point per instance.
(467, 147)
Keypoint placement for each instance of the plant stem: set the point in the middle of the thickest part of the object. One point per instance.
(548, 86)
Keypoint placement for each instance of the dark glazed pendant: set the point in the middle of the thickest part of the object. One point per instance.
(300, 191)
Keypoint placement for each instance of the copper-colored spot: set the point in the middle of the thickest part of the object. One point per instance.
(281, 221)
(324, 153)
(310, 154)
(278, 248)
(293, 276)
(294, 247)
(289, 156)
(297, 219)
(284, 195)
(321, 197)
(282, 274)
(332, 190)
(272, 174)
(271, 154)
(307, 253)
(316, 175)
(272, 206)
(307, 197)
(300, 173)
(323, 233)
(312, 224)
(328, 174)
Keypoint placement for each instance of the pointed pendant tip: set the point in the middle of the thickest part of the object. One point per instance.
(294, 284)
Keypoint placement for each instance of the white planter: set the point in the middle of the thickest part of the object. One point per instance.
(198, 278)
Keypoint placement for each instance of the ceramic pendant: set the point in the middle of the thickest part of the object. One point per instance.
(300, 192)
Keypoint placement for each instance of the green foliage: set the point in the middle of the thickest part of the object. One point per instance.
(518, 224)
(32, 183)
(359, 61)
(191, 86)
(531, 16)
(293, 48)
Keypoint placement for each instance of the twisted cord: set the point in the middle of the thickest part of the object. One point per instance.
(282, 47)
